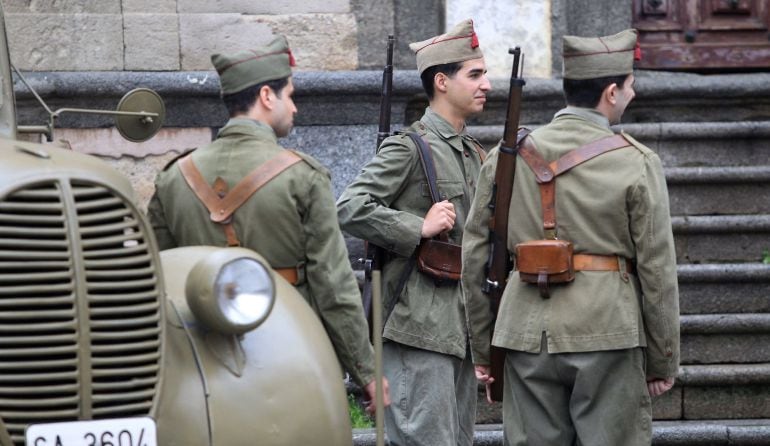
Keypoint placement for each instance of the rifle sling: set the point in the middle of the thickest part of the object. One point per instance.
(220, 203)
(428, 166)
(546, 173)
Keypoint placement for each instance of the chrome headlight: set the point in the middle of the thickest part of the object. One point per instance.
(230, 292)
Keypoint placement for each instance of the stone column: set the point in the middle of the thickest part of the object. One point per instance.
(502, 24)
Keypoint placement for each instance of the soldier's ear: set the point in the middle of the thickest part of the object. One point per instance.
(440, 82)
(265, 97)
(610, 93)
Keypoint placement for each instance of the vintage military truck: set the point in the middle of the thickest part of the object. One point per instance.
(104, 340)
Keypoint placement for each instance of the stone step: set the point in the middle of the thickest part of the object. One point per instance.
(721, 238)
(664, 433)
(719, 190)
(706, 144)
(725, 338)
(720, 391)
(724, 288)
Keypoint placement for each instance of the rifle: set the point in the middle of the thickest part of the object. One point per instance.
(499, 263)
(374, 254)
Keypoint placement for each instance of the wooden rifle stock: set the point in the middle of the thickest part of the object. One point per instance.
(374, 254)
(499, 264)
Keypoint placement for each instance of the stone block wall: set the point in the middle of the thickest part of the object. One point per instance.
(173, 35)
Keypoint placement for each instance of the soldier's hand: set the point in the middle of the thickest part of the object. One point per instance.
(658, 386)
(370, 395)
(483, 374)
(440, 218)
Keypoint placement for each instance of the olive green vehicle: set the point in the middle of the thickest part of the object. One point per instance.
(105, 340)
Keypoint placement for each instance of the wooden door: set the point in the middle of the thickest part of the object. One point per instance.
(703, 35)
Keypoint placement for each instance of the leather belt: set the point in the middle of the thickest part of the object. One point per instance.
(292, 275)
(597, 262)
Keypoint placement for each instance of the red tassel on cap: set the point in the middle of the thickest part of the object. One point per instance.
(292, 62)
(474, 40)
(637, 51)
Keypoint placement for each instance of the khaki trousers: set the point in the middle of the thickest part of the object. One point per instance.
(584, 399)
(433, 397)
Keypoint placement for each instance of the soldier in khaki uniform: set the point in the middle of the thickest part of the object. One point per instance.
(290, 220)
(582, 364)
(426, 356)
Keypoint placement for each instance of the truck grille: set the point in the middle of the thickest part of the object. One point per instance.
(80, 313)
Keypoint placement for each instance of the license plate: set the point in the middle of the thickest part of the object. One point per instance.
(112, 432)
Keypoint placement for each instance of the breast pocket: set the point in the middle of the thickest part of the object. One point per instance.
(453, 191)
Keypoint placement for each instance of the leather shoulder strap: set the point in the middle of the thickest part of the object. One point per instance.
(426, 159)
(198, 184)
(253, 182)
(222, 208)
(547, 172)
(587, 152)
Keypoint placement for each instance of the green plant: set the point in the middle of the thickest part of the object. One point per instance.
(766, 257)
(358, 417)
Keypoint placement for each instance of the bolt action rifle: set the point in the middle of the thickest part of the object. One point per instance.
(374, 254)
(499, 261)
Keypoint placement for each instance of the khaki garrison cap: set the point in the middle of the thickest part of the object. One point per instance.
(594, 57)
(458, 45)
(241, 70)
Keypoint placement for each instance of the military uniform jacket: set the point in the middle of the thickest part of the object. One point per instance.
(386, 205)
(291, 221)
(614, 204)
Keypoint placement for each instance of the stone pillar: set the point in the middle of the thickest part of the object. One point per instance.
(502, 24)
(587, 18)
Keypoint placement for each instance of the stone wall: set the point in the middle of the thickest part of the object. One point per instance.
(171, 35)
(163, 35)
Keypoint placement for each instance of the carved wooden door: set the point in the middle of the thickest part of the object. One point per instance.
(703, 35)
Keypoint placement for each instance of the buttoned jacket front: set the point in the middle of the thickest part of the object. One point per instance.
(386, 205)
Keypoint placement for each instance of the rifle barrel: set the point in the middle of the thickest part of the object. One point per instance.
(387, 90)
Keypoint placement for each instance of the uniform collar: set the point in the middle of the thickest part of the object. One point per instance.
(444, 129)
(245, 126)
(588, 114)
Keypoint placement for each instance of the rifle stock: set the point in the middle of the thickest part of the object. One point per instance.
(499, 264)
(374, 254)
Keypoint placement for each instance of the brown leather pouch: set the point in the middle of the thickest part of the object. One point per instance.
(438, 259)
(545, 261)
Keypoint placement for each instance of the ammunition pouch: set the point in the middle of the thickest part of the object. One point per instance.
(439, 259)
(544, 262)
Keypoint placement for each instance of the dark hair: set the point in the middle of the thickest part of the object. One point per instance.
(243, 100)
(427, 76)
(587, 92)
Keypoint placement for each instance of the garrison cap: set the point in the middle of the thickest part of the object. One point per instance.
(594, 57)
(458, 45)
(241, 70)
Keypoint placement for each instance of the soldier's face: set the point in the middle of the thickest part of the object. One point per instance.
(467, 89)
(284, 110)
